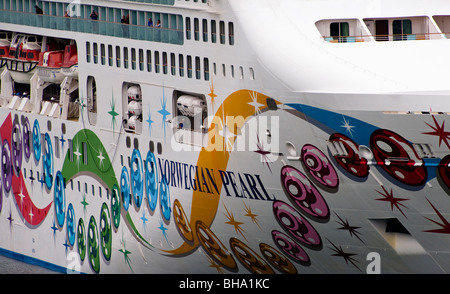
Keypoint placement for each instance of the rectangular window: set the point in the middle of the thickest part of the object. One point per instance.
(231, 33)
(164, 63)
(149, 60)
(110, 55)
(133, 58)
(222, 32)
(197, 68)
(95, 53)
(118, 62)
(125, 57)
(141, 59)
(189, 66)
(173, 68)
(339, 31)
(205, 30)
(156, 61)
(188, 28)
(401, 28)
(181, 64)
(206, 68)
(196, 29)
(88, 52)
(102, 54)
(213, 31)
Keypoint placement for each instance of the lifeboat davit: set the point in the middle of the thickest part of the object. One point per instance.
(23, 57)
(5, 43)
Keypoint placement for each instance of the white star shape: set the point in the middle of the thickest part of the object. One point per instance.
(346, 125)
(255, 102)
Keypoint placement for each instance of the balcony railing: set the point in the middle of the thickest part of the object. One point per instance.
(394, 37)
(137, 32)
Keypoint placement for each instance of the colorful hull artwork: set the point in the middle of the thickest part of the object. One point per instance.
(198, 215)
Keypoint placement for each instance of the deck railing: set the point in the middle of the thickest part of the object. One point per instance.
(393, 37)
(138, 32)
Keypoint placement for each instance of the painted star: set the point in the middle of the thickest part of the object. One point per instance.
(113, 112)
(84, 202)
(440, 132)
(215, 265)
(347, 256)
(100, 158)
(144, 219)
(346, 125)
(164, 113)
(125, 253)
(62, 140)
(163, 230)
(445, 226)
(389, 197)
(251, 215)
(255, 103)
(212, 95)
(264, 154)
(234, 223)
(150, 122)
(54, 228)
(351, 229)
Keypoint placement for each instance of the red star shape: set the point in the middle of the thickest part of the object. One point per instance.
(445, 224)
(440, 132)
(389, 197)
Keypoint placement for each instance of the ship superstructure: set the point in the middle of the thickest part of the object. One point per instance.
(239, 136)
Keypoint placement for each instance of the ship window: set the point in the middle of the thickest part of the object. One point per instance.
(181, 64)
(157, 61)
(110, 55)
(88, 52)
(173, 68)
(189, 66)
(197, 68)
(149, 60)
(252, 73)
(224, 70)
(141, 59)
(85, 155)
(188, 28)
(133, 58)
(241, 72)
(196, 29)
(125, 57)
(232, 71)
(231, 33)
(103, 54)
(205, 30)
(164, 55)
(401, 28)
(339, 31)
(190, 112)
(222, 32)
(95, 53)
(118, 56)
(92, 100)
(213, 31)
(206, 68)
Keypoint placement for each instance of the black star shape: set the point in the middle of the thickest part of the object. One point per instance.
(348, 257)
(351, 229)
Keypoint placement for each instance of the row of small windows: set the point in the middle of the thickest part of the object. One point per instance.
(209, 30)
(157, 61)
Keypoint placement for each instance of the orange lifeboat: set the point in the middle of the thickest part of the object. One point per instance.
(50, 66)
(70, 63)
